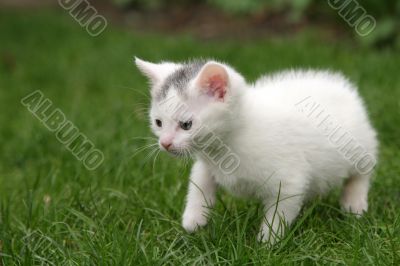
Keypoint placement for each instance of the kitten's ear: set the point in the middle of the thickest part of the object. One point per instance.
(150, 70)
(213, 79)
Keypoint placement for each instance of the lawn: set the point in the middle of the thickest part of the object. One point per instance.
(127, 211)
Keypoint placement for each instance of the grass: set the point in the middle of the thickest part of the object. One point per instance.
(54, 211)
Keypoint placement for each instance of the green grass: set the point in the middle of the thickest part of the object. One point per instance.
(53, 210)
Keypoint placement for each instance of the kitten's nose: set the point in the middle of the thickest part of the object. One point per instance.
(166, 144)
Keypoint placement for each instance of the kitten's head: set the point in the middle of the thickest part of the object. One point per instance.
(190, 100)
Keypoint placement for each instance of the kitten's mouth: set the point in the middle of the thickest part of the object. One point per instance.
(175, 152)
(170, 151)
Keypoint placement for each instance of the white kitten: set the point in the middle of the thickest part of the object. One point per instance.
(282, 140)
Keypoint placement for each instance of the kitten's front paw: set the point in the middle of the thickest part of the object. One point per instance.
(264, 236)
(192, 220)
(267, 236)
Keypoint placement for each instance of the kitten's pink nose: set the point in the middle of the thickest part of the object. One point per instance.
(166, 144)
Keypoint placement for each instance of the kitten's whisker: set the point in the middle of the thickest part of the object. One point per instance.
(191, 152)
(182, 154)
(136, 90)
(141, 138)
(141, 106)
(150, 154)
(141, 149)
(186, 158)
(147, 145)
(142, 110)
(183, 160)
(155, 160)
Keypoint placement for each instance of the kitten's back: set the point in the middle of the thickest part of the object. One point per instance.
(335, 95)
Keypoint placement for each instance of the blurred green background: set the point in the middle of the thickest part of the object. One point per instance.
(54, 211)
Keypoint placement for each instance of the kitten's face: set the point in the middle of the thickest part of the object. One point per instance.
(188, 101)
(174, 123)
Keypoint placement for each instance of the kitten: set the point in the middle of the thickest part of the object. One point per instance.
(283, 139)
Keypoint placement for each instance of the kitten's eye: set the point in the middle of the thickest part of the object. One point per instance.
(158, 123)
(185, 125)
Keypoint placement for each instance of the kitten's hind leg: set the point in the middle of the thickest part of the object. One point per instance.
(355, 194)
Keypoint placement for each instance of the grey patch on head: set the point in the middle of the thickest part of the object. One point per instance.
(181, 77)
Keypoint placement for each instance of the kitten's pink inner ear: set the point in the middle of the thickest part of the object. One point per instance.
(214, 81)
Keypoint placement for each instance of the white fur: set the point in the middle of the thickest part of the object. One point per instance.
(284, 158)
